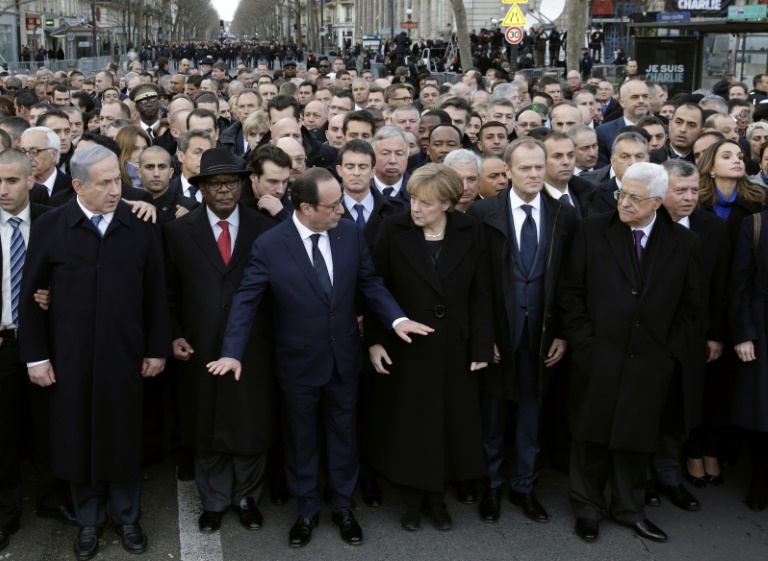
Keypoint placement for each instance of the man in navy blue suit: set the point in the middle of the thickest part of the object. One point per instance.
(314, 264)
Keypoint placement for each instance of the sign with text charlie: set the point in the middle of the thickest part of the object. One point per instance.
(669, 61)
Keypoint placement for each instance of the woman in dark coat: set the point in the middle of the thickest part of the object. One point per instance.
(426, 418)
(749, 326)
(725, 191)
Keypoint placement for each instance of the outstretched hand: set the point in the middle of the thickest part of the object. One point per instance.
(405, 327)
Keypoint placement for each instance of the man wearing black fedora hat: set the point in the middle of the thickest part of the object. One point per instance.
(229, 423)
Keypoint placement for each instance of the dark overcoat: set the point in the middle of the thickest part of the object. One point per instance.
(426, 422)
(494, 213)
(630, 327)
(108, 311)
(218, 413)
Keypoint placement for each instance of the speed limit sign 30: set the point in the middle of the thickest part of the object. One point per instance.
(514, 35)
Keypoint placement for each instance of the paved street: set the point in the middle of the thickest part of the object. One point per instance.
(724, 530)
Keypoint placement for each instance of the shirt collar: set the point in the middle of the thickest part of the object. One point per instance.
(88, 214)
(381, 186)
(649, 228)
(517, 202)
(25, 215)
(233, 219)
(685, 221)
(555, 192)
(367, 202)
(51, 179)
(305, 232)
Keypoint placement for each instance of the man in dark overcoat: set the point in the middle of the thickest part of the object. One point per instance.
(629, 304)
(107, 326)
(231, 423)
(526, 252)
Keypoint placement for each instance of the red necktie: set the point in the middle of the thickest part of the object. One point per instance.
(225, 241)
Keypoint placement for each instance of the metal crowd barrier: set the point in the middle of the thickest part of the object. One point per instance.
(86, 65)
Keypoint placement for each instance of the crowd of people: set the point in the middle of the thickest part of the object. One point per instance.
(444, 285)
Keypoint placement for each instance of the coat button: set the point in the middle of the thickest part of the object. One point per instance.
(331, 316)
(631, 356)
(333, 338)
(637, 324)
(634, 292)
(226, 277)
(225, 307)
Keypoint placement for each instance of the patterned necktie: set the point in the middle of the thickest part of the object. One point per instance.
(529, 240)
(225, 241)
(388, 191)
(96, 220)
(638, 246)
(360, 215)
(320, 267)
(18, 255)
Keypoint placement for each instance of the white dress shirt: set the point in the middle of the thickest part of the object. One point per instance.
(234, 224)
(106, 219)
(6, 232)
(50, 181)
(646, 230)
(185, 185)
(518, 214)
(556, 193)
(685, 221)
(381, 186)
(323, 244)
(367, 202)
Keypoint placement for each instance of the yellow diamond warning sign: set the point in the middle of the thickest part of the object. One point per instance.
(514, 17)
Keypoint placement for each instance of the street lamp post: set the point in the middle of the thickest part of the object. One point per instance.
(409, 15)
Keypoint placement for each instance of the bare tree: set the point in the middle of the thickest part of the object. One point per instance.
(462, 34)
(576, 13)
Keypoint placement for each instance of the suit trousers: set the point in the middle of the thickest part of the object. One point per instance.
(90, 502)
(525, 471)
(665, 462)
(13, 375)
(301, 408)
(225, 480)
(591, 466)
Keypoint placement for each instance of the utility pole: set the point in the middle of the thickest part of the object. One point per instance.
(93, 31)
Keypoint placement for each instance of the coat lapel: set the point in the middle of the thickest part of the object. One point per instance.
(455, 247)
(659, 249)
(202, 234)
(617, 234)
(295, 247)
(245, 231)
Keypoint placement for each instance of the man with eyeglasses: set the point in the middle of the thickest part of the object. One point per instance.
(397, 95)
(629, 304)
(314, 292)
(231, 422)
(147, 100)
(298, 156)
(324, 67)
(629, 148)
(42, 146)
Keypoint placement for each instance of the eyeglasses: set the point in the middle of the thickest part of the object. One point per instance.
(33, 152)
(147, 101)
(618, 194)
(332, 207)
(215, 187)
(406, 98)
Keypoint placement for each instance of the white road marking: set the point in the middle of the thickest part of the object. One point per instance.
(195, 546)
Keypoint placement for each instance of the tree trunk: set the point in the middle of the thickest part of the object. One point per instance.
(462, 34)
(577, 17)
(297, 35)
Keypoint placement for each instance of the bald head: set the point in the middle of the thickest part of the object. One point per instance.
(286, 127)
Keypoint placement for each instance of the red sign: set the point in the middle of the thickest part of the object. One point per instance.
(33, 22)
(514, 35)
(409, 25)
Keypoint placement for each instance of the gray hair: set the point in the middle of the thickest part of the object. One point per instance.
(574, 131)
(720, 105)
(464, 157)
(361, 81)
(385, 133)
(323, 105)
(53, 139)
(654, 176)
(213, 82)
(629, 137)
(130, 76)
(580, 93)
(758, 125)
(403, 109)
(235, 87)
(504, 91)
(301, 67)
(680, 168)
(184, 140)
(85, 158)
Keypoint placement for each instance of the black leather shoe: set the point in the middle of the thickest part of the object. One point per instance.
(87, 542)
(466, 492)
(5, 534)
(411, 519)
(652, 497)
(349, 530)
(371, 492)
(63, 513)
(681, 497)
(301, 531)
(648, 530)
(698, 482)
(490, 505)
(757, 495)
(209, 521)
(531, 506)
(134, 539)
(715, 480)
(587, 529)
(250, 515)
(440, 517)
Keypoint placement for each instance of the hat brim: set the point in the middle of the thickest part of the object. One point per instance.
(222, 170)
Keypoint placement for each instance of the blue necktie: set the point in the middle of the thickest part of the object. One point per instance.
(193, 192)
(388, 191)
(529, 241)
(18, 255)
(320, 268)
(96, 220)
(360, 216)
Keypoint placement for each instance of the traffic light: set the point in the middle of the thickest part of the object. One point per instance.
(221, 24)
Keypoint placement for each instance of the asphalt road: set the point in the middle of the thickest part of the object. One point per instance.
(723, 530)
